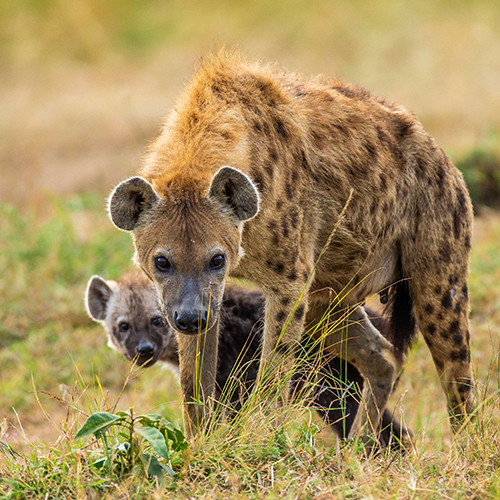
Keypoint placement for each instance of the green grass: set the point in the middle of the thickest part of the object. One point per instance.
(50, 346)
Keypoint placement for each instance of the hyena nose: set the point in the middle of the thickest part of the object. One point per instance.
(145, 350)
(191, 321)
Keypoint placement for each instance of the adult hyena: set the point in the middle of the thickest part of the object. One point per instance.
(129, 311)
(250, 176)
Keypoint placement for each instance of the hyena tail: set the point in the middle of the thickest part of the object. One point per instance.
(399, 309)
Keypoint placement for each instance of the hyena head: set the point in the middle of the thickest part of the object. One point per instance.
(187, 240)
(130, 312)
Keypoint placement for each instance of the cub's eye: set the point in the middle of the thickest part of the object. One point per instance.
(162, 264)
(217, 261)
(157, 322)
(123, 327)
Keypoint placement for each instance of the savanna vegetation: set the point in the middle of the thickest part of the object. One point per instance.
(84, 86)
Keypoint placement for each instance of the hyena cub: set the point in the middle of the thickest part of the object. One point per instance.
(129, 310)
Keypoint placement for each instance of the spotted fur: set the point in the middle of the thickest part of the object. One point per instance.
(296, 149)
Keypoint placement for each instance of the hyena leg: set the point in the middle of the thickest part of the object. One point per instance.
(198, 369)
(442, 313)
(283, 329)
(353, 337)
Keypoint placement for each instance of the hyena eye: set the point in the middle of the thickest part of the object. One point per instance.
(162, 264)
(157, 322)
(123, 327)
(217, 261)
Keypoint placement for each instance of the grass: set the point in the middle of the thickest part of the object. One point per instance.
(51, 347)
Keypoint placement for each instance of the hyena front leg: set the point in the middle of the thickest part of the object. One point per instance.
(283, 329)
(351, 335)
(198, 369)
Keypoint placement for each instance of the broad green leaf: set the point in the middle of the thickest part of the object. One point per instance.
(156, 439)
(150, 420)
(152, 466)
(98, 424)
(168, 469)
(179, 442)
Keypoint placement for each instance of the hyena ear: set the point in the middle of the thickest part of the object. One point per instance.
(129, 200)
(232, 188)
(97, 297)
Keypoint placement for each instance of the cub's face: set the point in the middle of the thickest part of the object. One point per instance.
(131, 316)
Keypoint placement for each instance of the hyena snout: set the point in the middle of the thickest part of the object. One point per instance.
(191, 321)
(145, 350)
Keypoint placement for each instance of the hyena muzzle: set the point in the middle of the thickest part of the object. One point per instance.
(132, 301)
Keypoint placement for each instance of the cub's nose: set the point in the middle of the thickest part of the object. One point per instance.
(190, 322)
(145, 350)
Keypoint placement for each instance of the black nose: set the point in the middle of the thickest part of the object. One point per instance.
(145, 350)
(191, 321)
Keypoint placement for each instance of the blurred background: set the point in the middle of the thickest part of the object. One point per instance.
(83, 89)
(85, 83)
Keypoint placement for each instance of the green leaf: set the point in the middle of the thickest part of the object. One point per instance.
(156, 439)
(152, 420)
(98, 424)
(153, 467)
(175, 435)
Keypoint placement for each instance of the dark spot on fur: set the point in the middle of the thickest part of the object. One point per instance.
(462, 201)
(458, 307)
(279, 267)
(441, 177)
(294, 217)
(299, 312)
(437, 289)
(431, 328)
(465, 290)
(372, 150)
(456, 333)
(279, 205)
(257, 126)
(446, 300)
(467, 242)
(285, 301)
(284, 226)
(428, 308)
(373, 207)
(445, 252)
(280, 317)
(460, 355)
(305, 275)
(289, 190)
(281, 128)
(293, 275)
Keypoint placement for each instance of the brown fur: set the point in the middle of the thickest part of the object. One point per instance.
(305, 144)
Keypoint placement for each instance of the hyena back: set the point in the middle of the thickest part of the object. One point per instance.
(125, 307)
(249, 178)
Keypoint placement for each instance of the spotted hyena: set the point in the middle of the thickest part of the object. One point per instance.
(129, 311)
(255, 169)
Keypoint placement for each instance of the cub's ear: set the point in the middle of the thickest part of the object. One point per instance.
(129, 200)
(235, 190)
(97, 297)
